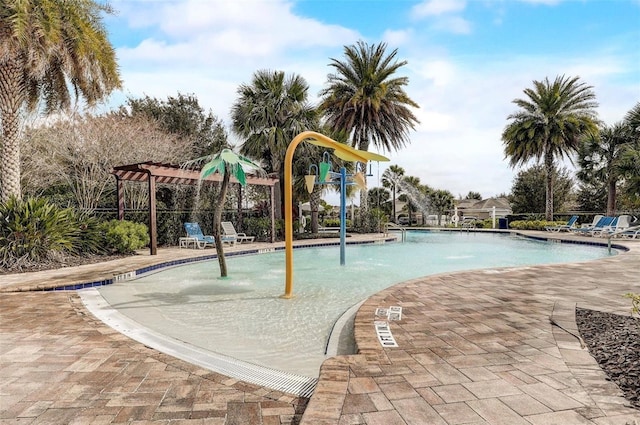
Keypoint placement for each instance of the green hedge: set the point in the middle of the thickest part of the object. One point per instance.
(534, 224)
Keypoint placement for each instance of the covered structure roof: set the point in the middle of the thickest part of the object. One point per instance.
(174, 174)
(158, 173)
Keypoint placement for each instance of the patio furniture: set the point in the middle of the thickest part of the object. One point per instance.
(229, 231)
(195, 236)
(563, 227)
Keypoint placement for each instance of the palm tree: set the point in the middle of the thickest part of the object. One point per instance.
(268, 114)
(380, 198)
(48, 48)
(630, 163)
(412, 195)
(391, 177)
(550, 123)
(226, 163)
(632, 119)
(441, 202)
(365, 99)
(601, 156)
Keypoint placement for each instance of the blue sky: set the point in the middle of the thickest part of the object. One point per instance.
(467, 61)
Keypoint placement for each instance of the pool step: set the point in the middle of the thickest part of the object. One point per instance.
(239, 413)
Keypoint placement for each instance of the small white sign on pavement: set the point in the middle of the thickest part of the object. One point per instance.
(384, 334)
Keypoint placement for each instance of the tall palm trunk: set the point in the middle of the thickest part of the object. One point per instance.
(549, 167)
(393, 195)
(364, 204)
(240, 212)
(314, 203)
(363, 144)
(611, 198)
(217, 219)
(278, 190)
(11, 98)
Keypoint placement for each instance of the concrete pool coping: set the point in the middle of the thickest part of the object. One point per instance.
(361, 402)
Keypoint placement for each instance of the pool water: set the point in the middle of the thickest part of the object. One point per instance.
(244, 317)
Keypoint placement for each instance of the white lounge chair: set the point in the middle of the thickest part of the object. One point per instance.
(229, 231)
(603, 222)
(632, 232)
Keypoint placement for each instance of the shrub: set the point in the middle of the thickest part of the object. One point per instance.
(635, 302)
(487, 223)
(335, 222)
(260, 227)
(380, 219)
(34, 231)
(124, 237)
(532, 224)
(89, 235)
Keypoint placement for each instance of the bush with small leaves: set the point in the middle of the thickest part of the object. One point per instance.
(125, 237)
(532, 224)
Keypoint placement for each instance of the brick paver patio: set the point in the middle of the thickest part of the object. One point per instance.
(483, 347)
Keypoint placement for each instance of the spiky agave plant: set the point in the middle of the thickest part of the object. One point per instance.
(33, 231)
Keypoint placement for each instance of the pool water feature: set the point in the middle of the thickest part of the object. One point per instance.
(243, 316)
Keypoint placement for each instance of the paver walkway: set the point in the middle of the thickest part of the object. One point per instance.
(474, 348)
(480, 348)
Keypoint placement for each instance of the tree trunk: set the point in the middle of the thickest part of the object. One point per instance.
(611, 198)
(11, 99)
(239, 221)
(364, 207)
(217, 219)
(314, 202)
(277, 195)
(393, 195)
(549, 167)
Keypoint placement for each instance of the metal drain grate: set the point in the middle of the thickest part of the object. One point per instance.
(302, 386)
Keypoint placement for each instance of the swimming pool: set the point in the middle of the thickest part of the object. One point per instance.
(244, 318)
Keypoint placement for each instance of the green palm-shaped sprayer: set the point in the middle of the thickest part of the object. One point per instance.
(227, 163)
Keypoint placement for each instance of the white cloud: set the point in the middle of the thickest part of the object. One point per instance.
(437, 7)
(454, 25)
(397, 37)
(444, 15)
(440, 72)
(544, 2)
(228, 32)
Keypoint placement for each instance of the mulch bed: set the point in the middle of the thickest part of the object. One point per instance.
(614, 341)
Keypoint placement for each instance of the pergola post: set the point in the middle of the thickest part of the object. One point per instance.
(272, 193)
(120, 194)
(153, 226)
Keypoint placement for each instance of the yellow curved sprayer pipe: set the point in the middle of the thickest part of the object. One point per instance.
(341, 151)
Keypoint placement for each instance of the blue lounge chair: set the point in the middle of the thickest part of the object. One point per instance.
(563, 227)
(621, 224)
(194, 234)
(604, 221)
(596, 218)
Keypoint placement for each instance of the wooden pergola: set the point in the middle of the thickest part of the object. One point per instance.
(158, 173)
